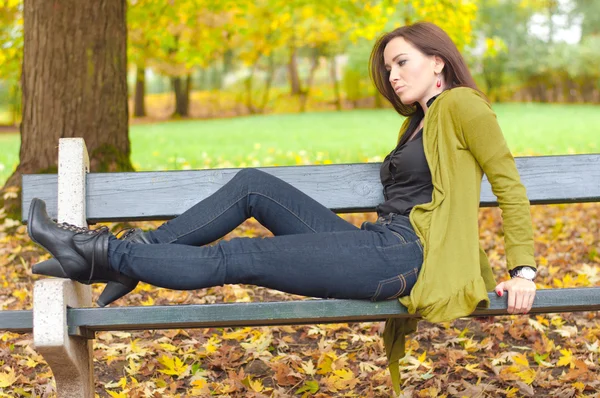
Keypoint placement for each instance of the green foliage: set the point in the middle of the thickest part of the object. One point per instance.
(11, 39)
(11, 55)
(356, 81)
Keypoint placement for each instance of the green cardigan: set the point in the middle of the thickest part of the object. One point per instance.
(462, 140)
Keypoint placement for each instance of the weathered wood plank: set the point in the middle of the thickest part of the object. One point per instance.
(299, 312)
(20, 321)
(342, 188)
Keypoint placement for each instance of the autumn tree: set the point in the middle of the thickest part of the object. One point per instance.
(74, 83)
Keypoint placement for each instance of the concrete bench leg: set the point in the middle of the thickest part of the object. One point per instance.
(69, 357)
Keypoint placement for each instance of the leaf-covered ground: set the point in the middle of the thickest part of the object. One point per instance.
(552, 355)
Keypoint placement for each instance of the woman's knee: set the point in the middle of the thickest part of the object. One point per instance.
(252, 178)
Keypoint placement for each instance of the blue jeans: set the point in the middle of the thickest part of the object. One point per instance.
(314, 252)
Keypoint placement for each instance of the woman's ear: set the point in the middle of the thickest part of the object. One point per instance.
(438, 64)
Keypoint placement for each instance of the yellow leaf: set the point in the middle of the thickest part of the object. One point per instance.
(168, 347)
(557, 321)
(133, 368)
(20, 294)
(172, 366)
(239, 334)
(137, 349)
(521, 359)
(324, 364)
(579, 386)
(472, 367)
(422, 357)
(527, 376)
(341, 379)
(31, 363)
(212, 345)
(255, 385)
(200, 383)
(566, 358)
(115, 394)
(148, 302)
(7, 378)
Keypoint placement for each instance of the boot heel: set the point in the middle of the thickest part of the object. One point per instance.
(49, 267)
(114, 291)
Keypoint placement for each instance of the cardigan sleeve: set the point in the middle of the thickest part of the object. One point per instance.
(484, 139)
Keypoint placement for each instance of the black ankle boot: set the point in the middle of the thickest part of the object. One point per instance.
(79, 253)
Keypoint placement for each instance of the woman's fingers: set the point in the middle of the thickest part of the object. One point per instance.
(521, 294)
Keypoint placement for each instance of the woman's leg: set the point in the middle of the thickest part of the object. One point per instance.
(277, 205)
(361, 264)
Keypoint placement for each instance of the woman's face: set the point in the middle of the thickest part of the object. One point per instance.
(412, 73)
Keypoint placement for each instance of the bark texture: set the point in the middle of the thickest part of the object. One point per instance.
(139, 105)
(181, 88)
(74, 83)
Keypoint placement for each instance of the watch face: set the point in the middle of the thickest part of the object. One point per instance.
(527, 273)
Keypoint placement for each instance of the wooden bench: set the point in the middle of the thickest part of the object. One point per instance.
(63, 320)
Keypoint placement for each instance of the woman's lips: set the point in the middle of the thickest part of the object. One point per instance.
(399, 88)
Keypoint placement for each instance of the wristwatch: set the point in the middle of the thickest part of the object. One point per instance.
(524, 272)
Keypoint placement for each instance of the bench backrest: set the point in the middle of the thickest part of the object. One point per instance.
(343, 188)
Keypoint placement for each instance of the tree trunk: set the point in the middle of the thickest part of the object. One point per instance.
(74, 84)
(293, 73)
(182, 88)
(571, 91)
(309, 81)
(336, 83)
(248, 84)
(268, 83)
(227, 66)
(139, 106)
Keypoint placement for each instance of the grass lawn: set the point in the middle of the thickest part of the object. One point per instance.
(329, 137)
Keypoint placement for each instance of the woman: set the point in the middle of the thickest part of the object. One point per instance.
(423, 249)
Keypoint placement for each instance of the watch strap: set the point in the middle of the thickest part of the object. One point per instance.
(515, 271)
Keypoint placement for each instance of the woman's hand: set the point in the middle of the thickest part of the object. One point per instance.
(521, 293)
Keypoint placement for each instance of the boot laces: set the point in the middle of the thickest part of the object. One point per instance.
(93, 235)
(81, 230)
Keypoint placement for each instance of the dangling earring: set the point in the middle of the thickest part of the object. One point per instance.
(439, 83)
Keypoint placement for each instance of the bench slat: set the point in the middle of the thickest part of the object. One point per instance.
(298, 312)
(342, 188)
(20, 321)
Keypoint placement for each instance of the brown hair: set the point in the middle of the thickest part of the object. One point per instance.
(431, 40)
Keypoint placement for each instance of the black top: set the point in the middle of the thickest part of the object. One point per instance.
(405, 176)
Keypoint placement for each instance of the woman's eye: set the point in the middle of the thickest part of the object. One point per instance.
(401, 63)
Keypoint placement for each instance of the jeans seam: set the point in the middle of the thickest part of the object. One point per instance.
(402, 239)
(208, 222)
(233, 204)
(400, 291)
(381, 284)
(285, 207)
(419, 245)
(224, 256)
(377, 291)
(128, 253)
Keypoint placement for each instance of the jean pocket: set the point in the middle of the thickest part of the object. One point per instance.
(400, 237)
(397, 286)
